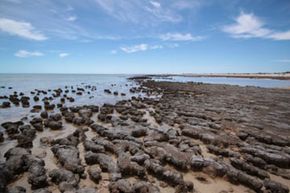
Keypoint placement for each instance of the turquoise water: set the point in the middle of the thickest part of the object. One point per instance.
(265, 83)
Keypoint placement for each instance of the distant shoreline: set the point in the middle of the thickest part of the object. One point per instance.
(277, 76)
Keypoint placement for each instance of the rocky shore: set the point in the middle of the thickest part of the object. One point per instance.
(177, 137)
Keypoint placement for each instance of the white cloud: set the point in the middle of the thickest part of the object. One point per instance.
(155, 4)
(135, 48)
(180, 37)
(249, 26)
(139, 48)
(281, 35)
(25, 53)
(21, 29)
(63, 55)
(72, 18)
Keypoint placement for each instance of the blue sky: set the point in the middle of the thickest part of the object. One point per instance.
(144, 36)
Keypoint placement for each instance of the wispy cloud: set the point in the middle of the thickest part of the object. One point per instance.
(139, 48)
(281, 35)
(247, 25)
(21, 29)
(26, 54)
(55, 19)
(282, 61)
(72, 18)
(180, 37)
(155, 4)
(146, 12)
(63, 55)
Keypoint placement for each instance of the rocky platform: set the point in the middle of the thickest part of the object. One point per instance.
(183, 137)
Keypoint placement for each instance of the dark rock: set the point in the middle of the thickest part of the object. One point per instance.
(95, 173)
(145, 187)
(37, 107)
(107, 91)
(64, 178)
(36, 98)
(140, 158)
(109, 146)
(275, 187)
(91, 146)
(37, 123)
(180, 160)
(169, 176)
(128, 167)
(139, 132)
(26, 137)
(55, 117)
(209, 166)
(49, 106)
(55, 125)
(86, 113)
(16, 160)
(249, 169)
(120, 186)
(12, 127)
(236, 176)
(106, 163)
(1, 137)
(37, 176)
(277, 158)
(5, 177)
(68, 156)
(222, 151)
(5, 104)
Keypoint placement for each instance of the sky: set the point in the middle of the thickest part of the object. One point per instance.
(144, 36)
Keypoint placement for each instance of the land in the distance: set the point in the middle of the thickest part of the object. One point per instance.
(278, 75)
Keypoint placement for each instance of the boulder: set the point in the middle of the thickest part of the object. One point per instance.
(37, 176)
(275, 187)
(249, 169)
(93, 147)
(11, 128)
(139, 132)
(106, 163)
(95, 173)
(145, 187)
(68, 156)
(171, 177)
(120, 186)
(128, 167)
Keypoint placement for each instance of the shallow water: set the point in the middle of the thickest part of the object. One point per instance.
(29, 82)
(265, 83)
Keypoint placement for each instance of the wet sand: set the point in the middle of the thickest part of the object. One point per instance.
(177, 137)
